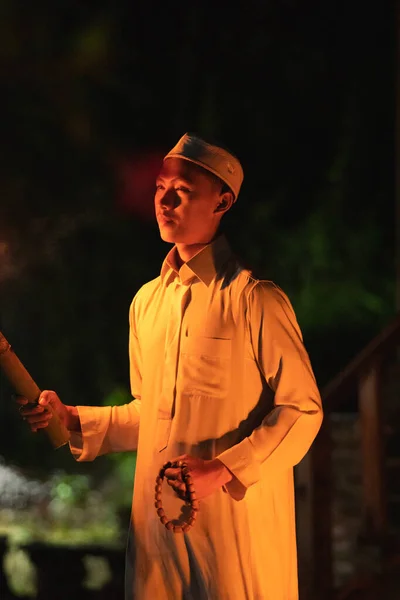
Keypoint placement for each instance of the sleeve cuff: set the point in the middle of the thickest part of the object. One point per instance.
(243, 464)
(85, 445)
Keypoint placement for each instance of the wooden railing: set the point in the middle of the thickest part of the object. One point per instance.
(362, 377)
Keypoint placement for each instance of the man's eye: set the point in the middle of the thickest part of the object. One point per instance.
(159, 186)
(182, 188)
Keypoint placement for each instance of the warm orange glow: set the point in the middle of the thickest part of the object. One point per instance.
(136, 178)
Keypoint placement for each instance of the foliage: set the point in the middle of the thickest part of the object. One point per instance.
(98, 572)
(75, 511)
(330, 281)
(20, 573)
(22, 576)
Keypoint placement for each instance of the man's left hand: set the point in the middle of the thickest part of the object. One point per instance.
(207, 476)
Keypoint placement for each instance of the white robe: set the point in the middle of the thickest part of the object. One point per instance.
(218, 369)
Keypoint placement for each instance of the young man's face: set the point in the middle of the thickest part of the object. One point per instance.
(185, 202)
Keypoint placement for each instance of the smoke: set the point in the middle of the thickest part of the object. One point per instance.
(16, 490)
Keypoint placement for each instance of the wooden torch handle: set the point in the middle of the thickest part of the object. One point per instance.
(24, 385)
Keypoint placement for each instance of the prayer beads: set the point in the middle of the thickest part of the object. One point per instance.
(191, 500)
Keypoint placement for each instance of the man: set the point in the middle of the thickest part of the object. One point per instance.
(221, 380)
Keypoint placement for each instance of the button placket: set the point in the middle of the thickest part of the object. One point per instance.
(172, 342)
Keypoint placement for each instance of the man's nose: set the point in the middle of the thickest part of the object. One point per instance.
(169, 199)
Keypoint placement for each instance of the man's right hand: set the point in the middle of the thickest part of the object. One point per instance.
(38, 416)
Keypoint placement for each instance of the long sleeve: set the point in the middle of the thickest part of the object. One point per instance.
(287, 432)
(107, 429)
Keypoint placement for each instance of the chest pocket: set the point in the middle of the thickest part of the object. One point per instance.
(205, 366)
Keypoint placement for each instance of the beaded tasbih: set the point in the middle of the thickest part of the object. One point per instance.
(191, 501)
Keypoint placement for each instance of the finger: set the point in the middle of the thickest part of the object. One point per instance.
(29, 409)
(181, 458)
(46, 397)
(37, 418)
(39, 425)
(179, 488)
(21, 400)
(172, 473)
(177, 485)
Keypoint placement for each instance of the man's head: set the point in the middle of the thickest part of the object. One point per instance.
(196, 186)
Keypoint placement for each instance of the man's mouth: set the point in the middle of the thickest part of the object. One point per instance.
(165, 219)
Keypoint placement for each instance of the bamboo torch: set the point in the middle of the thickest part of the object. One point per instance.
(24, 385)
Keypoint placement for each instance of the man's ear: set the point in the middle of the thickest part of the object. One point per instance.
(225, 202)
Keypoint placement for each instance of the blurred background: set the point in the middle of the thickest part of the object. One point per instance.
(93, 95)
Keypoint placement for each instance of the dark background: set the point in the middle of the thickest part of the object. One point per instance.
(95, 93)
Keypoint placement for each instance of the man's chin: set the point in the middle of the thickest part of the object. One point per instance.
(168, 236)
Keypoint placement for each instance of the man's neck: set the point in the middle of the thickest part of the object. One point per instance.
(185, 252)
